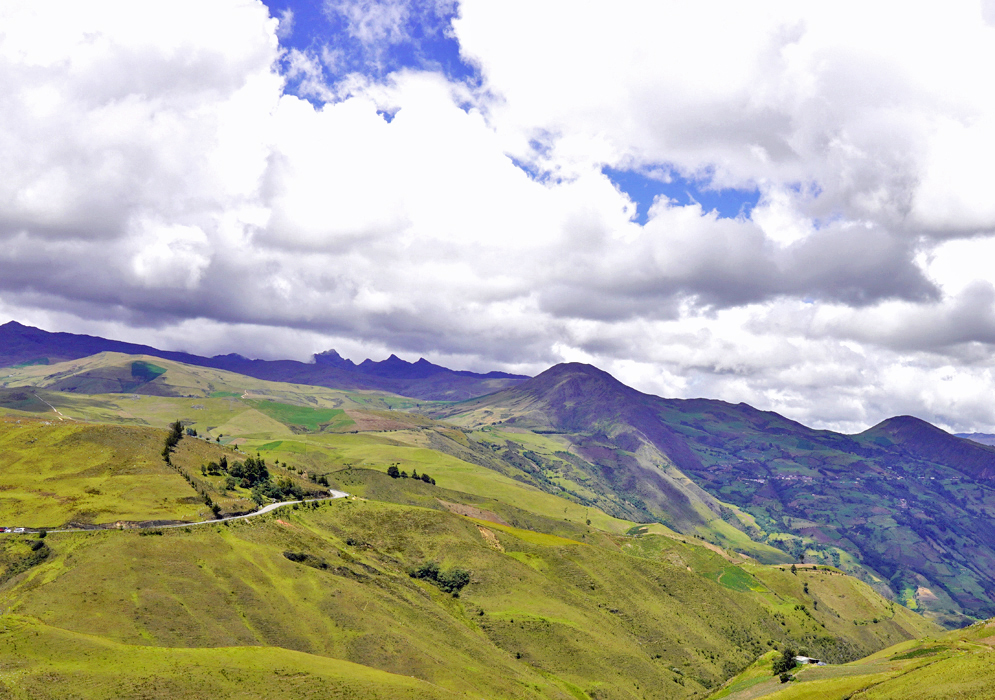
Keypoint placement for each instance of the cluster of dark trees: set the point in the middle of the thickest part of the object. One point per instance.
(254, 474)
(784, 663)
(306, 559)
(250, 472)
(215, 468)
(282, 490)
(451, 580)
(172, 440)
(394, 473)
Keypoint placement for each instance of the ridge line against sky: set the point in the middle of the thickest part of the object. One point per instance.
(781, 203)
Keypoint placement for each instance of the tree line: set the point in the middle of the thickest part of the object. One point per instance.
(395, 473)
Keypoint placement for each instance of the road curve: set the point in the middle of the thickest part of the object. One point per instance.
(265, 509)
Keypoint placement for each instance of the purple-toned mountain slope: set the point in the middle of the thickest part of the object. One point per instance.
(421, 380)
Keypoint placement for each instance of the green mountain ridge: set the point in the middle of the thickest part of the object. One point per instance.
(562, 610)
(608, 547)
(905, 504)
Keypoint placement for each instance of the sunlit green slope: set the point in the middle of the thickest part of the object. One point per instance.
(544, 615)
(568, 594)
(959, 664)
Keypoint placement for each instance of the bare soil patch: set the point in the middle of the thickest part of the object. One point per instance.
(472, 512)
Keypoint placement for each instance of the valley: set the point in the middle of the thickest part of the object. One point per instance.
(605, 543)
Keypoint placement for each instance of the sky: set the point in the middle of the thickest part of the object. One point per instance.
(787, 204)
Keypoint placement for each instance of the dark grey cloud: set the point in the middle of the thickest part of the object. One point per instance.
(163, 184)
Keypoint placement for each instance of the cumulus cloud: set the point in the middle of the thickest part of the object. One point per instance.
(162, 184)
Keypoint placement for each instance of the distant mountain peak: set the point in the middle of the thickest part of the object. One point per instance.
(566, 367)
(926, 441)
(232, 356)
(903, 428)
(422, 379)
(331, 358)
(903, 421)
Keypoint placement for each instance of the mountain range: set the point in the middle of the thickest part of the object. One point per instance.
(20, 344)
(904, 505)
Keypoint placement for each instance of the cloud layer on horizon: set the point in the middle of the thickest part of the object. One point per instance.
(162, 183)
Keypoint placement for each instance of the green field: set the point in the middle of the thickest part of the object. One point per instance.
(41, 661)
(542, 614)
(960, 664)
(566, 596)
(52, 473)
(311, 419)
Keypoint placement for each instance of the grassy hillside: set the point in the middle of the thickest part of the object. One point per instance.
(905, 505)
(920, 530)
(68, 473)
(573, 589)
(41, 661)
(145, 375)
(594, 615)
(57, 472)
(959, 664)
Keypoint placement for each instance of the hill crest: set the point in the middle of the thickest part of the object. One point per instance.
(21, 344)
(899, 501)
(926, 441)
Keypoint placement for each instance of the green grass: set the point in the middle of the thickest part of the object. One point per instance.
(312, 419)
(41, 661)
(31, 363)
(958, 664)
(918, 653)
(760, 671)
(543, 616)
(146, 370)
(52, 473)
(375, 451)
(735, 578)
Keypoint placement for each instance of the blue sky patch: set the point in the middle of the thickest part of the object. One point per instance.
(373, 38)
(643, 189)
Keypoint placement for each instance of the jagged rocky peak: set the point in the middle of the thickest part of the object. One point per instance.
(332, 358)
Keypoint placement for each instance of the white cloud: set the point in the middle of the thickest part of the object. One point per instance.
(169, 256)
(874, 104)
(373, 22)
(285, 28)
(156, 177)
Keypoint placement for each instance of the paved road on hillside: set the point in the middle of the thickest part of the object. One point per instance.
(265, 509)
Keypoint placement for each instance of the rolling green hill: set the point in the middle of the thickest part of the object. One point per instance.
(24, 346)
(595, 567)
(960, 664)
(543, 615)
(318, 599)
(905, 505)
